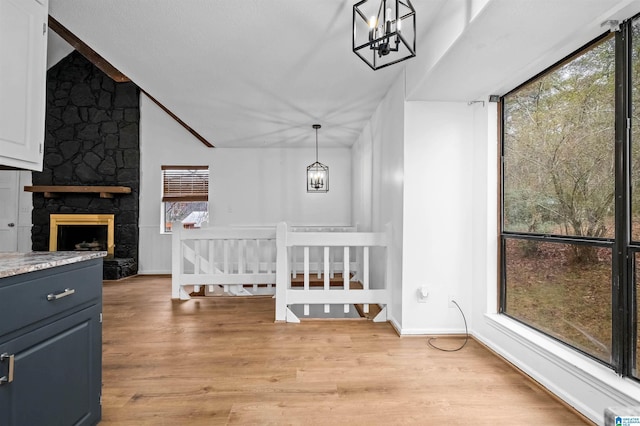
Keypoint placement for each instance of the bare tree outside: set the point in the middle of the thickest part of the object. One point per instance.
(559, 191)
(559, 180)
(559, 146)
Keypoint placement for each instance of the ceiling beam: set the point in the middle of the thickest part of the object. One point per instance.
(179, 121)
(105, 66)
(93, 57)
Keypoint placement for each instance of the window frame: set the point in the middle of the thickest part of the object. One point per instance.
(623, 353)
(181, 193)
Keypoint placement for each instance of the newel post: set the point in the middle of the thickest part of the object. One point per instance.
(389, 265)
(282, 272)
(176, 259)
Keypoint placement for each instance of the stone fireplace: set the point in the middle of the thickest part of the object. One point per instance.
(83, 232)
(91, 141)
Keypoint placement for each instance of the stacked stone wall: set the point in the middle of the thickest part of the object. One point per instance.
(91, 139)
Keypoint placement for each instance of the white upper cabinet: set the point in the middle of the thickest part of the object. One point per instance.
(23, 58)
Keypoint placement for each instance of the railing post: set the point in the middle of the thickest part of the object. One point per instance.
(327, 279)
(346, 263)
(212, 266)
(283, 275)
(389, 265)
(306, 269)
(365, 274)
(176, 259)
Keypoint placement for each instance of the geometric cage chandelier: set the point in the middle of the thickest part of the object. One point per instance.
(317, 173)
(384, 32)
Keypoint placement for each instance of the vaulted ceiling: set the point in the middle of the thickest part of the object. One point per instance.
(258, 73)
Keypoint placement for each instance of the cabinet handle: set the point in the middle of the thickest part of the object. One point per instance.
(9, 377)
(65, 293)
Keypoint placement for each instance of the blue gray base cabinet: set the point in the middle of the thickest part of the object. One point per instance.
(51, 346)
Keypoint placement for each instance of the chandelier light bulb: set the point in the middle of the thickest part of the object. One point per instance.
(372, 28)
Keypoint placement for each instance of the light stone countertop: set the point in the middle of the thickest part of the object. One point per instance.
(12, 263)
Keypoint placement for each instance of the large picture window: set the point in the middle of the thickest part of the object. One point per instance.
(570, 233)
(185, 196)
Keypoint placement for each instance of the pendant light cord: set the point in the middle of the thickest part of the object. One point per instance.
(316, 126)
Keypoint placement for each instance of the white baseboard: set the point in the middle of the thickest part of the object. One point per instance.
(430, 331)
(155, 272)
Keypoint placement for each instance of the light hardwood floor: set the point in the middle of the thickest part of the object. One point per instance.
(211, 361)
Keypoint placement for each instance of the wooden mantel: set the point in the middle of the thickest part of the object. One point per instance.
(53, 191)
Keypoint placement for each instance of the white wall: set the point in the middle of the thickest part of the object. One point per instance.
(437, 215)
(57, 48)
(25, 207)
(362, 179)
(418, 157)
(378, 188)
(247, 186)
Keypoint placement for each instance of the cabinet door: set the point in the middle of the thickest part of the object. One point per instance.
(56, 374)
(23, 53)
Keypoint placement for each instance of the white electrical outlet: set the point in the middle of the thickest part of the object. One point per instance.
(423, 294)
(450, 299)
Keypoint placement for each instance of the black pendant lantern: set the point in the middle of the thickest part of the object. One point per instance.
(317, 173)
(384, 31)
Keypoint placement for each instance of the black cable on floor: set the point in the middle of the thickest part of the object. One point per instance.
(466, 334)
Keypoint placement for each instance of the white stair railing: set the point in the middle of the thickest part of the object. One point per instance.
(228, 257)
(315, 262)
(290, 241)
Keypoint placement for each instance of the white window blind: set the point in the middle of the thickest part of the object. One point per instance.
(185, 183)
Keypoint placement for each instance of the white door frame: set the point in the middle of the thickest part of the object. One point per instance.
(9, 181)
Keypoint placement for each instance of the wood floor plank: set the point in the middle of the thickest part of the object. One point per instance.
(223, 361)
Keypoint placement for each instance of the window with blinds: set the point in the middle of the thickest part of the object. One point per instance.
(185, 183)
(185, 196)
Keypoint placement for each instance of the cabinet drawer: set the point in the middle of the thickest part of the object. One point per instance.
(24, 299)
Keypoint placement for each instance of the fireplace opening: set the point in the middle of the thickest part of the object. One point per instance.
(82, 232)
(82, 237)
